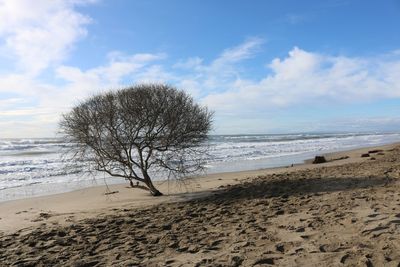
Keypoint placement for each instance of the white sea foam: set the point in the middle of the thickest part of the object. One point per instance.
(37, 166)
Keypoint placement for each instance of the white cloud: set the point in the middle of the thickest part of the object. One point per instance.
(111, 74)
(48, 101)
(40, 33)
(81, 84)
(36, 36)
(306, 77)
(297, 65)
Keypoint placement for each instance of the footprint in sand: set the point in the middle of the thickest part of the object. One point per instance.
(269, 261)
(23, 211)
(377, 231)
(332, 248)
(344, 258)
(42, 216)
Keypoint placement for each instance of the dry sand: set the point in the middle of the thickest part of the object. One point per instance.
(341, 213)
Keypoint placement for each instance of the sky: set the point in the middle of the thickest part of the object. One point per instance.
(261, 66)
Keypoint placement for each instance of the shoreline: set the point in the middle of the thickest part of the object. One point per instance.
(23, 184)
(89, 202)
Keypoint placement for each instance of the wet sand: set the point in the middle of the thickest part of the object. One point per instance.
(342, 213)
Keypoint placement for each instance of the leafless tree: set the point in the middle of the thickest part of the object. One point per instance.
(128, 132)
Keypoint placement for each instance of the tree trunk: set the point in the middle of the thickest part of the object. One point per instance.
(149, 183)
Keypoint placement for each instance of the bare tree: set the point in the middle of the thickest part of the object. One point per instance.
(146, 127)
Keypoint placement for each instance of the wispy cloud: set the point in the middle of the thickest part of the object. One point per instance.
(238, 53)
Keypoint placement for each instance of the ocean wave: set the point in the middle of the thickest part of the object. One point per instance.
(31, 146)
(281, 137)
(25, 161)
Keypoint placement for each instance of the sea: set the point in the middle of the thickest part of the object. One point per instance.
(38, 166)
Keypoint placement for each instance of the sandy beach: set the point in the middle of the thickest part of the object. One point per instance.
(345, 212)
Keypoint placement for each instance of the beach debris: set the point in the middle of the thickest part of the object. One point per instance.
(375, 151)
(319, 159)
(110, 193)
(365, 155)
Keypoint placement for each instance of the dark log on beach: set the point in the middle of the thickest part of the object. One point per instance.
(375, 151)
(319, 159)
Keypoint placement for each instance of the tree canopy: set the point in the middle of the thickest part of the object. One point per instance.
(147, 127)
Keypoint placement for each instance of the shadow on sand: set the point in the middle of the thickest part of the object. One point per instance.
(263, 188)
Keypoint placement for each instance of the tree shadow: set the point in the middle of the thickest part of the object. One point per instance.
(266, 188)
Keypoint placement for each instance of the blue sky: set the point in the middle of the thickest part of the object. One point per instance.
(262, 66)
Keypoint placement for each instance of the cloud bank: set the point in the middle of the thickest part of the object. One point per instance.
(311, 78)
(38, 36)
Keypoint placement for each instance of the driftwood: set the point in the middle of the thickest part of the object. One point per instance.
(110, 193)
